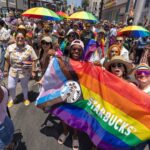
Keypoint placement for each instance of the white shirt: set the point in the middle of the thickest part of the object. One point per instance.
(4, 36)
(124, 53)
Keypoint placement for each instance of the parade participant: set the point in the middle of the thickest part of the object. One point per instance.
(124, 52)
(4, 37)
(29, 38)
(20, 62)
(101, 40)
(141, 44)
(46, 49)
(93, 52)
(119, 67)
(20, 21)
(114, 50)
(37, 32)
(87, 34)
(6, 125)
(76, 52)
(65, 45)
(146, 55)
(75, 29)
(142, 75)
(10, 19)
(47, 29)
(112, 34)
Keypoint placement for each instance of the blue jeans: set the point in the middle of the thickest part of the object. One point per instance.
(6, 132)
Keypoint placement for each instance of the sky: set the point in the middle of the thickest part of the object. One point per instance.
(75, 2)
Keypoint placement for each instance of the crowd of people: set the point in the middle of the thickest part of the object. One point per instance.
(27, 46)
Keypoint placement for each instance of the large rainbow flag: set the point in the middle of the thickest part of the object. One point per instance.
(114, 114)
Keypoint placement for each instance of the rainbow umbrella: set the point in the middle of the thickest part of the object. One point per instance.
(41, 13)
(83, 15)
(62, 14)
(134, 31)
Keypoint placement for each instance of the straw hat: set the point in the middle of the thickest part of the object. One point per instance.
(119, 59)
(22, 27)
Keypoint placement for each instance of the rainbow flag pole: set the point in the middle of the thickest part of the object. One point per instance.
(114, 114)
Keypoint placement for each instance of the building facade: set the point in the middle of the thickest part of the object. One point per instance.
(142, 12)
(94, 6)
(119, 10)
(13, 4)
(115, 10)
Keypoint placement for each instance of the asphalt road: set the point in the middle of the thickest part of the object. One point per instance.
(30, 130)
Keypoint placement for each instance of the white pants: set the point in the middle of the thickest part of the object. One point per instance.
(12, 83)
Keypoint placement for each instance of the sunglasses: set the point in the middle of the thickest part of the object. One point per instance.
(22, 38)
(79, 49)
(45, 43)
(141, 72)
(119, 40)
(119, 65)
(73, 36)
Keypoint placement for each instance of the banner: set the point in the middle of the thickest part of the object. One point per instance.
(114, 114)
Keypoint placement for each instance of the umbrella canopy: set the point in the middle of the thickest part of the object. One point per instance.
(83, 15)
(62, 14)
(41, 13)
(134, 31)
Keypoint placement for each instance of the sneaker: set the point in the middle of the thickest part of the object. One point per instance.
(26, 102)
(75, 144)
(10, 103)
(62, 138)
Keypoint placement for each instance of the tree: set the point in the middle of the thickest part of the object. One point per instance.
(85, 3)
(101, 9)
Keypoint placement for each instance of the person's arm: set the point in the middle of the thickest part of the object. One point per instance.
(6, 68)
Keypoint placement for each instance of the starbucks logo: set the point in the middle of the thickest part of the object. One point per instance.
(70, 92)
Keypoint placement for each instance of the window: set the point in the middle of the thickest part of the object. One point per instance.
(24, 2)
(11, 1)
(147, 3)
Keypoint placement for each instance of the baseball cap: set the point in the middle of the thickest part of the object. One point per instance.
(77, 42)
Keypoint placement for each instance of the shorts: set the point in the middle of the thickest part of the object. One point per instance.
(6, 132)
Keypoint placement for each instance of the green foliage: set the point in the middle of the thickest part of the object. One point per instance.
(85, 3)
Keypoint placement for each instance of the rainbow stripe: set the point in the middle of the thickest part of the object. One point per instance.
(115, 114)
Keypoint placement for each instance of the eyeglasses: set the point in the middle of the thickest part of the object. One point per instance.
(45, 43)
(141, 72)
(119, 65)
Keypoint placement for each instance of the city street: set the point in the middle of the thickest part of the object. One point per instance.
(30, 132)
